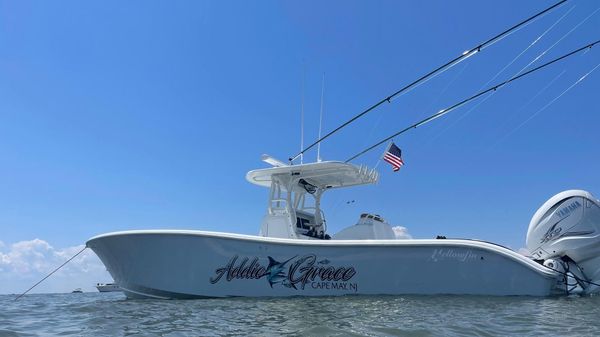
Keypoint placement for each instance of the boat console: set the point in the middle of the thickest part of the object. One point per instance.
(294, 206)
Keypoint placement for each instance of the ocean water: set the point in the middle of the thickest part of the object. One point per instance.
(110, 314)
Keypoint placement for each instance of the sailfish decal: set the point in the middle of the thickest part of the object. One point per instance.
(275, 271)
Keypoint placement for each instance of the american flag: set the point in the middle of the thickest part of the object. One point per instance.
(393, 155)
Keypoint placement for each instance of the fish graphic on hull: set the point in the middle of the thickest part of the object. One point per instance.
(294, 273)
(276, 272)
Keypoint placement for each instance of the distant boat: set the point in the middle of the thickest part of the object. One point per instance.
(77, 291)
(107, 287)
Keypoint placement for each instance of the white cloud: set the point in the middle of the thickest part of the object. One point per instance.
(24, 263)
(524, 252)
(401, 233)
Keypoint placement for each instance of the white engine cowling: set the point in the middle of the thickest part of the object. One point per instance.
(567, 227)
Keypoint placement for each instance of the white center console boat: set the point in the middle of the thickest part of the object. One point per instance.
(294, 255)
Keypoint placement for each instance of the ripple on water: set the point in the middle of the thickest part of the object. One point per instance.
(109, 314)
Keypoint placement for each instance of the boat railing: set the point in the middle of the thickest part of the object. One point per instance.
(369, 175)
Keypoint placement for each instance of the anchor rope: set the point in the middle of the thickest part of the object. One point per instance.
(54, 271)
(573, 276)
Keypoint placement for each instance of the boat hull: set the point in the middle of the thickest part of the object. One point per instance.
(195, 264)
(107, 288)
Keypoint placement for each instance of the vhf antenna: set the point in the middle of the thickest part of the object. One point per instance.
(321, 118)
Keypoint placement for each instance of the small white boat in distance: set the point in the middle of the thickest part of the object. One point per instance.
(107, 287)
(293, 255)
(77, 291)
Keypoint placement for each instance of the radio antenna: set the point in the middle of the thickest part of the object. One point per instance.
(302, 113)
(321, 118)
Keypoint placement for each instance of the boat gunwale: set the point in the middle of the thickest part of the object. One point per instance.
(472, 243)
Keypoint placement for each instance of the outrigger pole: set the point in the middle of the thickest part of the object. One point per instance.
(431, 74)
(477, 95)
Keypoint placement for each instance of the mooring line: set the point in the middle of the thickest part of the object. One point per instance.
(574, 276)
(54, 271)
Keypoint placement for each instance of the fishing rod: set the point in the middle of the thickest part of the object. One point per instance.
(518, 72)
(477, 95)
(432, 73)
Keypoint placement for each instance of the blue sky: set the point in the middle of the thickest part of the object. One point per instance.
(148, 114)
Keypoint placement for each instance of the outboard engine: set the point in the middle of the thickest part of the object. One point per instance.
(564, 234)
